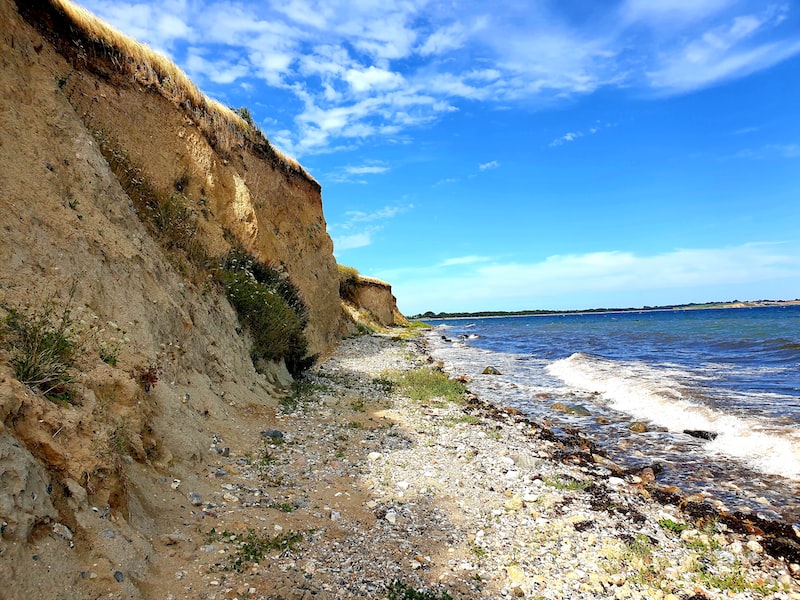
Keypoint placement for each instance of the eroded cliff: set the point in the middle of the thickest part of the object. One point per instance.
(93, 139)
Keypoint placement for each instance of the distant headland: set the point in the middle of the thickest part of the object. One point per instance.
(544, 312)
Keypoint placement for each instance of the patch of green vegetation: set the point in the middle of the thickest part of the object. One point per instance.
(286, 507)
(303, 390)
(168, 217)
(252, 548)
(478, 551)
(402, 591)
(359, 404)
(411, 330)
(348, 283)
(384, 384)
(119, 438)
(566, 483)
(43, 346)
(425, 384)
(705, 539)
(465, 418)
(268, 305)
(271, 309)
(731, 579)
(355, 425)
(670, 525)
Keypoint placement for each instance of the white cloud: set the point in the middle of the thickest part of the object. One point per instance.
(218, 71)
(567, 137)
(371, 78)
(366, 170)
(446, 38)
(354, 240)
(492, 164)
(463, 260)
(359, 227)
(784, 150)
(387, 212)
(586, 280)
(720, 53)
(367, 69)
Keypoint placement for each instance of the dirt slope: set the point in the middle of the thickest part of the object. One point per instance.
(82, 506)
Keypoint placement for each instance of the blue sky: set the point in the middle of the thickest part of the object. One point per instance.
(519, 155)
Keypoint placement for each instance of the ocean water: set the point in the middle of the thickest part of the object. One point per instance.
(732, 372)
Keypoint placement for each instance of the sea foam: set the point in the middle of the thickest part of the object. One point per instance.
(666, 397)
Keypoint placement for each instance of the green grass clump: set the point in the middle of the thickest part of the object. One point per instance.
(566, 483)
(43, 346)
(252, 548)
(425, 384)
(674, 527)
(348, 282)
(303, 390)
(402, 591)
(271, 309)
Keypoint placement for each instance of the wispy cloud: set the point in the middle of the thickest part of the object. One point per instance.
(464, 260)
(363, 70)
(366, 169)
(487, 166)
(570, 136)
(621, 278)
(359, 228)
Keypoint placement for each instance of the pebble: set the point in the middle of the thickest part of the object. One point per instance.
(491, 507)
(195, 499)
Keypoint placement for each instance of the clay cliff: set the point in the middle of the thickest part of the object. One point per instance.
(123, 192)
(374, 299)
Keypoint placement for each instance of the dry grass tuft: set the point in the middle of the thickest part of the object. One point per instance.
(223, 127)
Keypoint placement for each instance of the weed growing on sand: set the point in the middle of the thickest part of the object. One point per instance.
(384, 384)
(729, 578)
(359, 404)
(43, 346)
(401, 591)
(564, 482)
(412, 330)
(477, 550)
(672, 526)
(302, 393)
(424, 385)
(147, 376)
(251, 548)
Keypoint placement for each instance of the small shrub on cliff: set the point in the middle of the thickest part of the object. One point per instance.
(43, 346)
(274, 279)
(271, 309)
(348, 282)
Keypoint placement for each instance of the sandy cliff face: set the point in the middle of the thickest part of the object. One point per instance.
(88, 484)
(376, 297)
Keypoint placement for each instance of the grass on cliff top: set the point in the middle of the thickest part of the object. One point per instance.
(223, 126)
(348, 282)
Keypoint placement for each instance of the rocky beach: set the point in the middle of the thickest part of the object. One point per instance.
(356, 490)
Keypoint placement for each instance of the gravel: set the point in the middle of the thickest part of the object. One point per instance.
(469, 501)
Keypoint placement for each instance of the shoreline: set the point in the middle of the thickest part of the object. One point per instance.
(446, 500)
(622, 311)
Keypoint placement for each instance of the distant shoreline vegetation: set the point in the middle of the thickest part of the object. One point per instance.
(543, 313)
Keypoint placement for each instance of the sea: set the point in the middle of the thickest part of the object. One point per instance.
(732, 374)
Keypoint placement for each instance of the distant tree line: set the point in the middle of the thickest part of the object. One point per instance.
(544, 312)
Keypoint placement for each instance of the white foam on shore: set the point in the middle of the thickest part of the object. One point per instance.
(658, 396)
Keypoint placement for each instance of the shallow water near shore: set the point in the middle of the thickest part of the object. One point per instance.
(734, 373)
